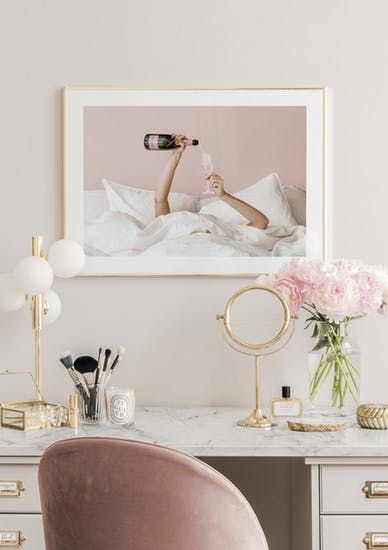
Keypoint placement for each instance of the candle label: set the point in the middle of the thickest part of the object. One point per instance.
(119, 409)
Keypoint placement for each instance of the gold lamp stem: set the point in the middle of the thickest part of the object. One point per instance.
(37, 318)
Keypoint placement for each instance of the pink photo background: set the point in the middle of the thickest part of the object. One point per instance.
(246, 144)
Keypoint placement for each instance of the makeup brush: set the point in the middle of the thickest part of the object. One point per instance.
(99, 366)
(86, 365)
(117, 359)
(108, 353)
(67, 361)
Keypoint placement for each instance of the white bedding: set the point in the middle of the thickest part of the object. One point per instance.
(188, 234)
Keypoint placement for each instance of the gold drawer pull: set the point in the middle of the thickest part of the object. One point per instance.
(14, 539)
(11, 488)
(376, 540)
(376, 489)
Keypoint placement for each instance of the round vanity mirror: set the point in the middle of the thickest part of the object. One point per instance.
(256, 317)
(257, 322)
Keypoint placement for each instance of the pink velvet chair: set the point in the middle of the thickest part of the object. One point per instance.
(100, 493)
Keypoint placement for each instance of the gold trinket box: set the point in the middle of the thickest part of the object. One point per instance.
(31, 414)
(373, 416)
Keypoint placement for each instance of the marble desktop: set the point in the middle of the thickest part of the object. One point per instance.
(210, 432)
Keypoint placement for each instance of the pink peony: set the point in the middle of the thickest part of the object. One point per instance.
(370, 293)
(291, 291)
(308, 273)
(337, 289)
(381, 274)
(337, 298)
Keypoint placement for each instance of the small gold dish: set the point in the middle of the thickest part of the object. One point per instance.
(373, 416)
(315, 427)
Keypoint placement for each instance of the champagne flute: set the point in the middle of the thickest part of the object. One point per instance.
(207, 165)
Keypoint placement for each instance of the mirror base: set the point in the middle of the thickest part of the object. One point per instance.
(256, 420)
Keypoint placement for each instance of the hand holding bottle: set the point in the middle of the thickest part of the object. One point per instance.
(180, 142)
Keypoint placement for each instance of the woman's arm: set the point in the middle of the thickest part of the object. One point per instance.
(255, 217)
(163, 189)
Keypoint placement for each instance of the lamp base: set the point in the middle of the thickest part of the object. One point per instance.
(256, 420)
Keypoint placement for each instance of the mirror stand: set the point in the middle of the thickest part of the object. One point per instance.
(260, 342)
(256, 419)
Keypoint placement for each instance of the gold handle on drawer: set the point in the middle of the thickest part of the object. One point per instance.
(12, 539)
(11, 488)
(376, 540)
(376, 489)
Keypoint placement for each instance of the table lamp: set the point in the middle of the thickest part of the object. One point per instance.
(30, 283)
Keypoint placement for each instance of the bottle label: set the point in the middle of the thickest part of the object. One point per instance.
(286, 408)
(153, 142)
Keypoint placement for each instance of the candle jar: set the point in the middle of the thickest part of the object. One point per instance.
(120, 406)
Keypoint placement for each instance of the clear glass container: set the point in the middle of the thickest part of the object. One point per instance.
(91, 405)
(334, 371)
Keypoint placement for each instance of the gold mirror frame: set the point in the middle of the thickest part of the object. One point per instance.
(264, 345)
(256, 419)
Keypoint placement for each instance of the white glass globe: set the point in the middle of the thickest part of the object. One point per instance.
(33, 275)
(11, 299)
(52, 307)
(66, 257)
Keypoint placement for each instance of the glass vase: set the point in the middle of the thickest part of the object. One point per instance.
(334, 371)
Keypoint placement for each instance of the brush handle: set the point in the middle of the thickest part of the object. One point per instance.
(98, 369)
(114, 364)
(78, 378)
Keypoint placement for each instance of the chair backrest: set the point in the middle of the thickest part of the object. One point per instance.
(100, 493)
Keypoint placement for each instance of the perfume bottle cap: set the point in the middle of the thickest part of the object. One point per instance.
(286, 392)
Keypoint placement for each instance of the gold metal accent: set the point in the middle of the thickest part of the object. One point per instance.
(11, 488)
(68, 88)
(14, 539)
(373, 416)
(73, 411)
(376, 489)
(262, 345)
(37, 316)
(307, 427)
(375, 540)
(25, 415)
(256, 419)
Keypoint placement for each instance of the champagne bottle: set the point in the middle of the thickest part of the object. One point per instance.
(162, 142)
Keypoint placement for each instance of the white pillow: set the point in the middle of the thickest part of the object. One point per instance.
(297, 201)
(112, 233)
(266, 195)
(139, 203)
(95, 203)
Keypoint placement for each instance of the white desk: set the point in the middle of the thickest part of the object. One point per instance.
(329, 470)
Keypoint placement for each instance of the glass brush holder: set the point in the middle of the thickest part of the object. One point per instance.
(91, 404)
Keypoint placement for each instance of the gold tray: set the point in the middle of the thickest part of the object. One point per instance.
(373, 416)
(315, 427)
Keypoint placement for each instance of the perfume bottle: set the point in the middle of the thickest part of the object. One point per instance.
(286, 405)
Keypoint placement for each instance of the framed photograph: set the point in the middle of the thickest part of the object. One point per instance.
(194, 182)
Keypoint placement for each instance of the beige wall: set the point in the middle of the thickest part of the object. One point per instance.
(175, 353)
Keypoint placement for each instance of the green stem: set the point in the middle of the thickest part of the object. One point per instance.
(333, 360)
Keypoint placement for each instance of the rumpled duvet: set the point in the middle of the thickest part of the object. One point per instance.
(188, 234)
